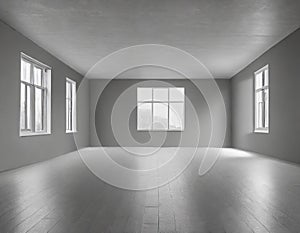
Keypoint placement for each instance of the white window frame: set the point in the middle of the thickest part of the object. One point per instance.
(168, 102)
(45, 86)
(262, 90)
(71, 115)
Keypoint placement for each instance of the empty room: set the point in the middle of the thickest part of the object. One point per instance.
(150, 116)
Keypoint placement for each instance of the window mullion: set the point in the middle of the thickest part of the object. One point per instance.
(25, 109)
(263, 99)
(32, 98)
(43, 109)
(152, 112)
(74, 126)
(43, 98)
(168, 108)
(71, 107)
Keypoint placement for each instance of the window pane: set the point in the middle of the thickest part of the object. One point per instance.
(259, 109)
(68, 90)
(176, 118)
(25, 71)
(266, 123)
(258, 80)
(70, 109)
(144, 111)
(69, 119)
(160, 116)
(37, 76)
(260, 115)
(144, 94)
(177, 94)
(160, 94)
(266, 77)
(67, 114)
(38, 109)
(73, 110)
(28, 106)
(70, 106)
(23, 107)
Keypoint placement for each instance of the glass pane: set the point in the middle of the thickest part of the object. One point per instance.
(28, 107)
(160, 116)
(260, 115)
(69, 118)
(68, 90)
(25, 71)
(160, 94)
(176, 118)
(23, 107)
(37, 76)
(38, 109)
(73, 107)
(266, 77)
(144, 94)
(67, 114)
(259, 109)
(144, 116)
(70, 106)
(177, 94)
(70, 114)
(267, 108)
(256, 109)
(258, 80)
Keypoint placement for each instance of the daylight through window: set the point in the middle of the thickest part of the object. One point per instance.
(70, 106)
(35, 97)
(160, 109)
(262, 100)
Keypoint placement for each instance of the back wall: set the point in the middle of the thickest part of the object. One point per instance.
(112, 99)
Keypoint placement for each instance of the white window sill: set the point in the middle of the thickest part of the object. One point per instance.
(28, 134)
(265, 131)
(159, 130)
(71, 131)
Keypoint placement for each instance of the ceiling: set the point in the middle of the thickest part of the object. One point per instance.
(224, 35)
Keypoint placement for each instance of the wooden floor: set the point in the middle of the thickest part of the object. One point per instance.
(243, 193)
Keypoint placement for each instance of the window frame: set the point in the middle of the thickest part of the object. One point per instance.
(168, 102)
(45, 88)
(256, 129)
(73, 100)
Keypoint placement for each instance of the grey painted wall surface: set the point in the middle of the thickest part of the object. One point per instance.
(18, 151)
(125, 107)
(283, 140)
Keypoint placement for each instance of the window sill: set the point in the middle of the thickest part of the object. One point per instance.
(264, 131)
(28, 134)
(159, 130)
(68, 132)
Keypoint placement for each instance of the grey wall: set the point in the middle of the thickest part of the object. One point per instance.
(114, 99)
(18, 151)
(283, 140)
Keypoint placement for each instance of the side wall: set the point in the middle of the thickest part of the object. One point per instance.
(116, 106)
(17, 151)
(283, 140)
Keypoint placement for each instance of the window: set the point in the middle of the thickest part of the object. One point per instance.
(35, 97)
(70, 106)
(160, 109)
(261, 83)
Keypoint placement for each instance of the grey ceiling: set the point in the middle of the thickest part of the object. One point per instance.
(225, 35)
